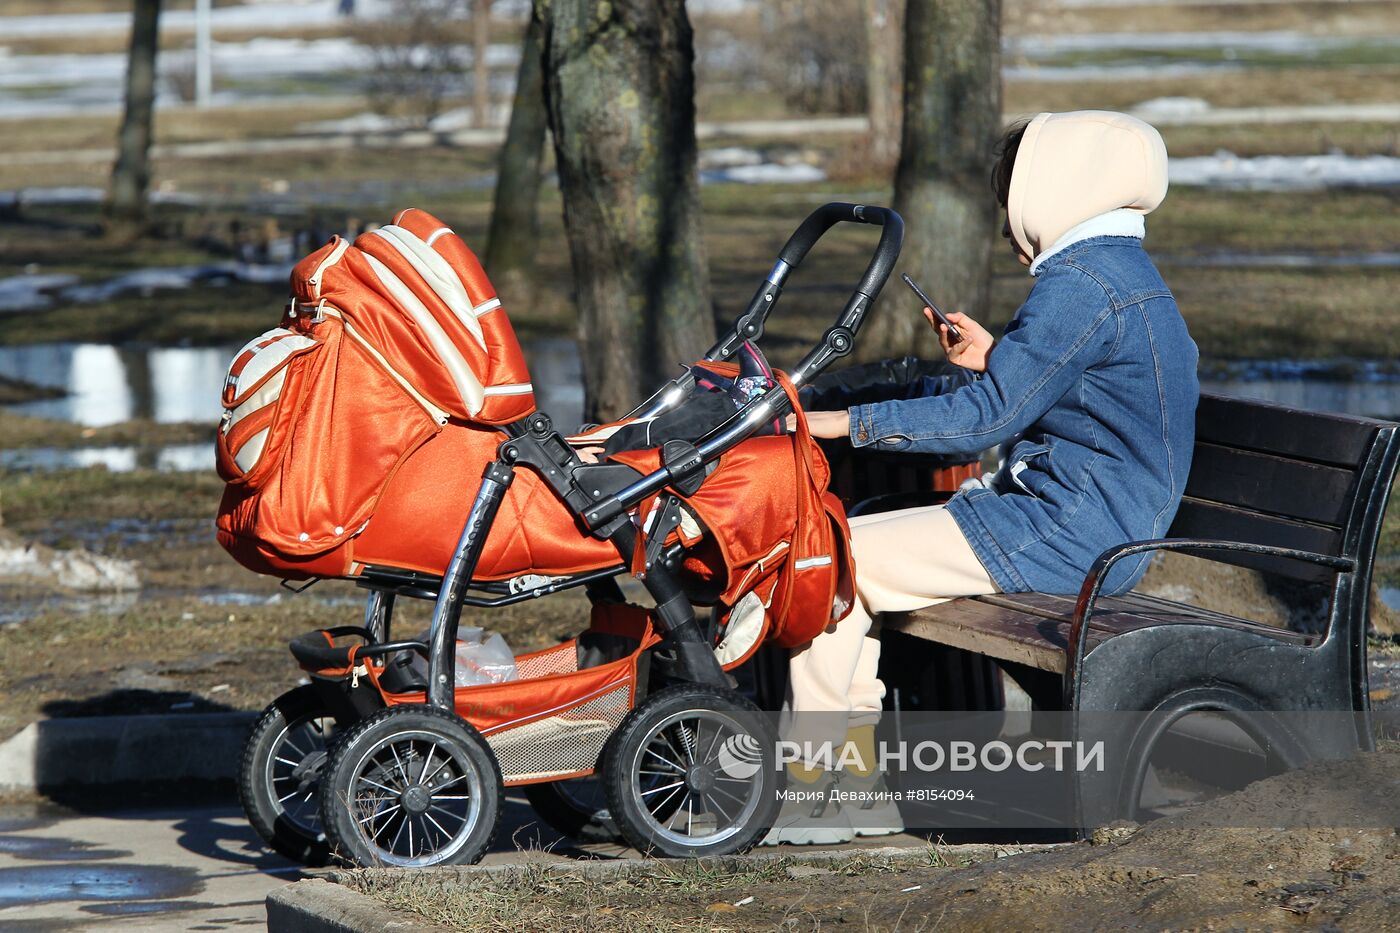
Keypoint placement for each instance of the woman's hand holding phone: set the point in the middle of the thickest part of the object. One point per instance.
(975, 345)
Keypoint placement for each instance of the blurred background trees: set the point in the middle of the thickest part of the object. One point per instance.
(513, 237)
(952, 118)
(131, 174)
(620, 87)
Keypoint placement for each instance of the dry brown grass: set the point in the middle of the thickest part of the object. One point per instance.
(1245, 88)
(1352, 18)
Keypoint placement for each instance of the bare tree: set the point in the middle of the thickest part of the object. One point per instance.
(884, 31)
(952, 117)
(131, 175)
(514, 235)
(620, 88)
(419, 58)
(481, 71)
(816, 52)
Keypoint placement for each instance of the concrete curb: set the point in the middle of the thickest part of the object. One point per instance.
(120, 749)
(317, 906)
(321, 905)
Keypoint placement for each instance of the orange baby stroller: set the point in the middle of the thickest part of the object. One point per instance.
(392, 398)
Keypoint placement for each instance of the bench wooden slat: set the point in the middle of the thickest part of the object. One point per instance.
(987, 630)
(1118, 614)
(1198, 519)
(1033, 628)
(1341, 440)
(1267, 483)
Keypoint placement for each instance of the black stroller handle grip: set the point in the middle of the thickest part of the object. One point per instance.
(839, 340)
(829, 215)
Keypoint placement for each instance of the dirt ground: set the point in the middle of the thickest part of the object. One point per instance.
(1217, 867)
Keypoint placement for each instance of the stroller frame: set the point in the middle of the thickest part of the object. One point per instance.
(602, 496)
(534, 443)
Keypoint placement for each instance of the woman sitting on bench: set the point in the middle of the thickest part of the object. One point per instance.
(1096, 376)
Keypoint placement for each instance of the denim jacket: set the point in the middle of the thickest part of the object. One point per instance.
(1096, 373)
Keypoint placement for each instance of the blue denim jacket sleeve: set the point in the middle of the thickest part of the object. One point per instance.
(1066, 325)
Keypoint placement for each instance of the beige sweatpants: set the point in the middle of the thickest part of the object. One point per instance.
(905, 560)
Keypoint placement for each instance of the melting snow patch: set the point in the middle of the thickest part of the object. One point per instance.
(1285, 173)
(1169, 107)
(766, 174)
(31, 292)
(76, 570)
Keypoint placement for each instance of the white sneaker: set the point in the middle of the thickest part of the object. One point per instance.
(868, 804)
(810, 816)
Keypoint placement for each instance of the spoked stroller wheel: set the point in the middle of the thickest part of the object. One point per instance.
(577, 808)
(411, 786)
(691, 772)
(280, 775)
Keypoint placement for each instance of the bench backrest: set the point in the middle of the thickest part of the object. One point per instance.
(1272, 475)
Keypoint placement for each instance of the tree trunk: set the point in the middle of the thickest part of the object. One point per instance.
(620, 88)
(513, 239)
(883, 31)
(952, 118)
(481, 73)
(131, 176)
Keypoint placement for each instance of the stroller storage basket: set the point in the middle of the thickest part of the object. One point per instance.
(552, 722)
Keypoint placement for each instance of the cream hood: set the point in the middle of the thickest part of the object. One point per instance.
(1074, 166)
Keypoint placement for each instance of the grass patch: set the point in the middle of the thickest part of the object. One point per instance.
(13, 391)
(656, 896)
(33, 501)
(21, 431)
(1247, 88)
(180, 637)
(1390, 531)
(1354, 18)
(1361, 53)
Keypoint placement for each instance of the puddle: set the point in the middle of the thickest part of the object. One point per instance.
(40, 884)
(108, 385)
(22, 608)
(1369, 388)
(1390, 595)
(11, 823)
(174, 458)
(43, 849)
(139, 908)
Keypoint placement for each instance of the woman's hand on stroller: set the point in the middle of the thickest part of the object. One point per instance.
(972, 350)
(829, 424)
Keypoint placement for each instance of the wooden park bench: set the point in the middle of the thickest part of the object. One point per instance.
(1294, 493)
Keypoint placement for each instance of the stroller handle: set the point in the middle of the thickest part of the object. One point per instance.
(840, 338)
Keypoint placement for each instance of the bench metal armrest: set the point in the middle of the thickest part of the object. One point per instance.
(1077, 644)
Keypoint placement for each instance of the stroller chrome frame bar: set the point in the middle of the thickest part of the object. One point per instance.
(685, 654)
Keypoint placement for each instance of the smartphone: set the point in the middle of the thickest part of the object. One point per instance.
(953, 334)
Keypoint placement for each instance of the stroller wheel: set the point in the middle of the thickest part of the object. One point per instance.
(690, 772)
(411, 786)
(577, 808)
(280, 775)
